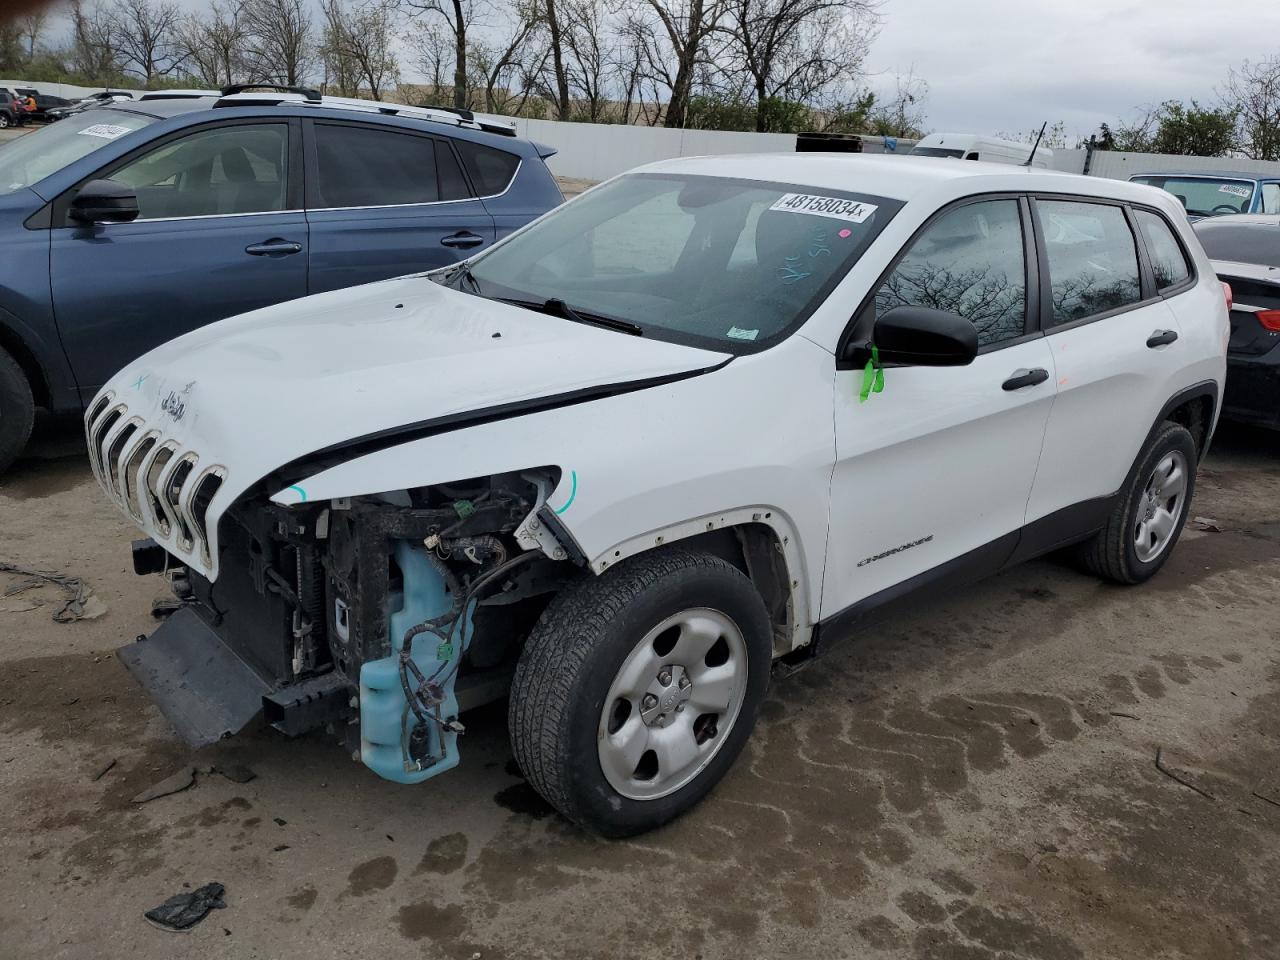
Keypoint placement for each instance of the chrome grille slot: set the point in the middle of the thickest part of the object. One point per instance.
(202, 494)
(152, 486)
(96, 410)
(114, 451)
(100, 430)
(130, 476)
(171, 499)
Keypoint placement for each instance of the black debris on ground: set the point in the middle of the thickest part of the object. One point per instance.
(184, 910)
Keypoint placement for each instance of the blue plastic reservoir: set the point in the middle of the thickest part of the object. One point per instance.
(385, 718)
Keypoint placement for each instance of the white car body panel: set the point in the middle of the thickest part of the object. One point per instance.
(775, 437)
(254, 392)
(649, 461)
(940, 463)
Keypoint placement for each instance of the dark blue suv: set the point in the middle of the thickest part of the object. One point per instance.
(127, 225)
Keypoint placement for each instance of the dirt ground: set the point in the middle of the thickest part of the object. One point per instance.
(973, 779)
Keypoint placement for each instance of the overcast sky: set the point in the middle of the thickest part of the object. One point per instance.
(1009, 65)
(1005, 65)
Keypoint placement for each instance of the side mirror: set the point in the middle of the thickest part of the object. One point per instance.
(920, 337)
(104, 201)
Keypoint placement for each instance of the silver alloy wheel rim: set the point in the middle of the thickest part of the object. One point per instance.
(672, 704)
(1160, 506)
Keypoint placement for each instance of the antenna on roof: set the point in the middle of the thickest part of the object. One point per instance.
(1031, 156)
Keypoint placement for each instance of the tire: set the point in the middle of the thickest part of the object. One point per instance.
(4, 120)
(17, 410)
(1127, 550)
(572, 666)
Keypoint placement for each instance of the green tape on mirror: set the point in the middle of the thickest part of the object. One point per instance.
(872, 376)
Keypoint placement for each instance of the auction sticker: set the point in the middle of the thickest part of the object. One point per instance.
(1236, 190)
(835, 207)
(107, 131)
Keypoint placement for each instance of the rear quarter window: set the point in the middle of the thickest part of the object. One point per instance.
(1168, 262)
(491, 169)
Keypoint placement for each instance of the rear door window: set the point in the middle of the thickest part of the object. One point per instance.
(363, 166)
(1092, 257)
(1168, 262)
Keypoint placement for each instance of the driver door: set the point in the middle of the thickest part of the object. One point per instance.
(220, 232)
(933, 474)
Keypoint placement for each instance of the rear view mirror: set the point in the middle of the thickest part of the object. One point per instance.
(920, 337)
(104, 201)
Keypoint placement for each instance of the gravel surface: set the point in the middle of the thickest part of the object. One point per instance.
(973, 778)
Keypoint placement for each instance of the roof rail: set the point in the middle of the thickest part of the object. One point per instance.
(308, 93)
(244, 95)
(177, 94)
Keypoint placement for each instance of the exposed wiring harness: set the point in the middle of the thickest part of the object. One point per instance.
(425, 694)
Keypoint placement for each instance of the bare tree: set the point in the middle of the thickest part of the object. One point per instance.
(31, 25)
(587, 65)
(146, 37)
(94, 53)
(904, 115)
(674, 47)
(1253, 91)
(357, 48)
(503, 67)
(214, 45)
(279, 46)
(433, 55)
(795, 50)
(458, 16)
(551, 15)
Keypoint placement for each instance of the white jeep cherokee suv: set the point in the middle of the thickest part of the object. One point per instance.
(704, 417)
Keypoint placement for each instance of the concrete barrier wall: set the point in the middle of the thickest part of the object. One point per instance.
(1121, 166)
(68, 90)
(597, 151)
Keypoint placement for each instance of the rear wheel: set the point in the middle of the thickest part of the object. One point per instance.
(4, 120)
(1146, 523)
(638, 689)
(17, 410)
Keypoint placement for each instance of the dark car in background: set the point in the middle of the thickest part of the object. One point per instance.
(101, 99)
(1218, 193)
(44, 103)
(12, 111)
(130, 224)
(1245, 250)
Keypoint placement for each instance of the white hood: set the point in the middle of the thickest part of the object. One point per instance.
(254, 392)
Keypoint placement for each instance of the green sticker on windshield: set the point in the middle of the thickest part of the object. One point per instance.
(735, 333)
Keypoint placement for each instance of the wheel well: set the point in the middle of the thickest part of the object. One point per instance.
(754, 548)
(13, 345)
(1195, 414)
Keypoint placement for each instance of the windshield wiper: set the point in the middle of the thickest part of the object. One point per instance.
(558, 308)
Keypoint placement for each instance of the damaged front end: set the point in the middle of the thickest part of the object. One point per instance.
(380, 618)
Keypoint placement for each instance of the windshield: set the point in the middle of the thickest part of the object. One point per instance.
(1205, 196)
(935, 152)
(28, 160)
(709, 261)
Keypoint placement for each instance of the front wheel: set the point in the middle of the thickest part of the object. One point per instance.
(638, 689)
(4, 120)
(17, 410)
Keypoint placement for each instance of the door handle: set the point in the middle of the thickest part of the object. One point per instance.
(1161, 337)
(275, 247)
(463, 240)
(1026, 378)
